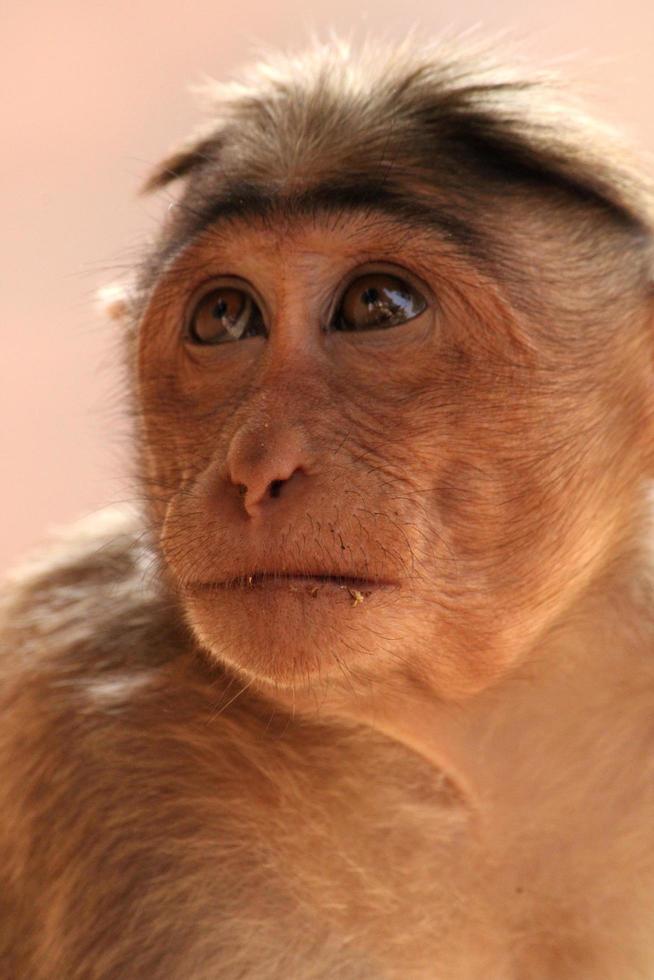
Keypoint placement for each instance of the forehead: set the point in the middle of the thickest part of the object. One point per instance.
(361, 208)
(348, 234)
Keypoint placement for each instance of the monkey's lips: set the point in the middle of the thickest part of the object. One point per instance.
(280, 623)
(312, 583)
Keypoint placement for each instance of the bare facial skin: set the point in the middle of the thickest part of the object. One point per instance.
(365, 690)
(312, 462)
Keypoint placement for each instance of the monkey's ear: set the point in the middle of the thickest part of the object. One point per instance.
(114, 300)
(183, 161)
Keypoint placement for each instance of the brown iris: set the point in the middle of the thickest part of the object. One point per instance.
(223, 315)
(377, 301)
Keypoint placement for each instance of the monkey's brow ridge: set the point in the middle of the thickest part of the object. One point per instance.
(373, 198)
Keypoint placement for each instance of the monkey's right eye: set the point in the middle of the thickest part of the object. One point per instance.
(223, 315)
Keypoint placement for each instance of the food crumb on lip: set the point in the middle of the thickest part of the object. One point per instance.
(356, 595)
(357, 591)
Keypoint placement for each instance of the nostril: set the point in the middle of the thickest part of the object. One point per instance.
(275, 487)
(256, 493)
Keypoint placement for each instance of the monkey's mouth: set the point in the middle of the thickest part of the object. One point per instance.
(312, 583)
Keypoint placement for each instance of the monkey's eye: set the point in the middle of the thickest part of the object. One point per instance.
(376, 301)
(225, 314)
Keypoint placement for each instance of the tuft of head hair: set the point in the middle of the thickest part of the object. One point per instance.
(407, 112)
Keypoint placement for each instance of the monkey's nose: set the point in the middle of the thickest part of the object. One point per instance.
(265, 464)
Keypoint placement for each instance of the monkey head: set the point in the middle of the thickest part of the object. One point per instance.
(393, 370)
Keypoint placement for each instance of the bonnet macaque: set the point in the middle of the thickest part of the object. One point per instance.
(365, 689)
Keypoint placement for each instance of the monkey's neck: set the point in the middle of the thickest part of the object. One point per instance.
(571, 721)
(571, 724)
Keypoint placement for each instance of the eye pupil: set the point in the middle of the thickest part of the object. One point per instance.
(220, 309)
(370, 296)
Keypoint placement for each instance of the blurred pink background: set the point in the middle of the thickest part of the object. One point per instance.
(93, 94)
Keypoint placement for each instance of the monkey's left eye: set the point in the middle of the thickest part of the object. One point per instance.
(223, 315)
(376, 301)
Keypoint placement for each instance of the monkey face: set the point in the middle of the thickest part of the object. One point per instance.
(366, 457)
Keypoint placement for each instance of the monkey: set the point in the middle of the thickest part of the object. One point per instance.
(364, 687)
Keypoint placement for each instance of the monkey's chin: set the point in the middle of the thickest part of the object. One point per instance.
(290, 631)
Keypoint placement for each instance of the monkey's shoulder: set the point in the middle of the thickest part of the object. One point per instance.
(85, 640)
(96, 664)
(90, 599)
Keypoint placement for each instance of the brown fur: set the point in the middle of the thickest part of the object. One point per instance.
(446, 779)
